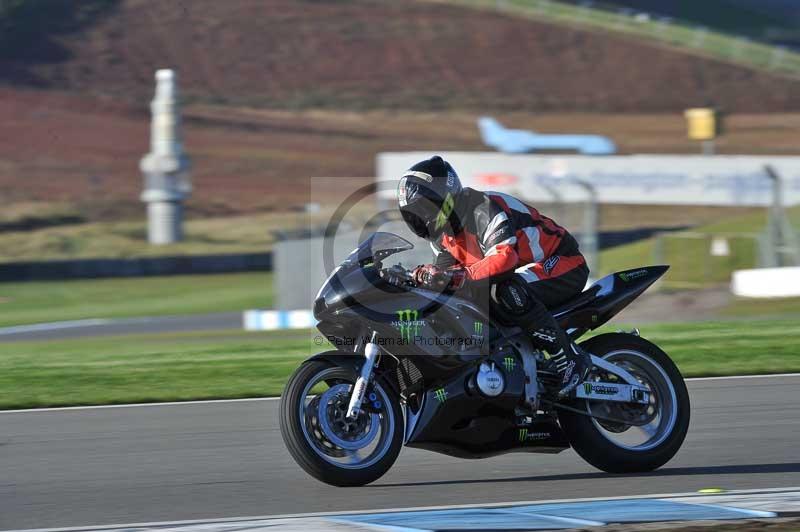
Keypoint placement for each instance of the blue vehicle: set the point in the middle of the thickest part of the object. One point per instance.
(522, 141)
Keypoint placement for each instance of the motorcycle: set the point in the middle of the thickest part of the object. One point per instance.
(415, 367)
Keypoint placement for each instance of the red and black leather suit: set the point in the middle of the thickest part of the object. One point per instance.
(501, 237)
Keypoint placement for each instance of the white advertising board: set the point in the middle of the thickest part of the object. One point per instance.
(725, 180)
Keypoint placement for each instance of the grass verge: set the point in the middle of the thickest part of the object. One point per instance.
(51, 240)
(688, 38)
(689, 252)
(177, 367)
(44, 301)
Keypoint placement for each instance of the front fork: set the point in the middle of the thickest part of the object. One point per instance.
(371, 353)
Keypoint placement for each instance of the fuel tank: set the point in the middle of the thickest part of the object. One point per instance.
(410, 321)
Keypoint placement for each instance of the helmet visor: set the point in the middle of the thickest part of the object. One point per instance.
(420, 215)
(415, 223)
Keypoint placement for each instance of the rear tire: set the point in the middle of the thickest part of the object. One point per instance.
(297, 438)
(590, 442)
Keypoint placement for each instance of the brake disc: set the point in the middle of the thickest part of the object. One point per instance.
(346, 434)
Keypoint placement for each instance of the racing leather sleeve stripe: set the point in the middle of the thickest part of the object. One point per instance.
(498, 232)
(527, 274)
(494, 224)
(537, 253)
(508, 242)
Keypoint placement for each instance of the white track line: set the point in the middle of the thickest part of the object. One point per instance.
(162, 524)
(732, 377)
(53, 326)
(139, 405)
(253, 399)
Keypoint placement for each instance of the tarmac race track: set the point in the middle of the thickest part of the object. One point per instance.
(76, 467)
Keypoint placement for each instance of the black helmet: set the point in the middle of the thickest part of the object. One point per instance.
(427, 194)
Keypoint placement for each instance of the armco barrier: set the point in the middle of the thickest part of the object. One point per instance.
(135, 267)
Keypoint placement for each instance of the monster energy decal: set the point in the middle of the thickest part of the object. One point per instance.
(408, 323)
(509, 363)
(630, 276)
(524, 435)
(446, 210)
(599, 389)
(440, 394)
(478, 328)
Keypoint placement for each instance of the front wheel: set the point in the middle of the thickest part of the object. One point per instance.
(327, 445)
(655, 431)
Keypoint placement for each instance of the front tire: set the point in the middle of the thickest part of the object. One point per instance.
(327, 446)
(603, 444)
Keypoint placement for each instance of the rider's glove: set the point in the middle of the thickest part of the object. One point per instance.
(429, 276)
(393, 278)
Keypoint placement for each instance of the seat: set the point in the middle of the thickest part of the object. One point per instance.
(579, 300)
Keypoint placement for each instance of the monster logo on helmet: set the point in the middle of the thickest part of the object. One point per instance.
(427, 195)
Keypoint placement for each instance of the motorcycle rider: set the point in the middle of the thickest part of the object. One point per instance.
(492, 242)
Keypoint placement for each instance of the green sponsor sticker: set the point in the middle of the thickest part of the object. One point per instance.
(440, 394)
(408, 323)
(446, 210)
(630, 276)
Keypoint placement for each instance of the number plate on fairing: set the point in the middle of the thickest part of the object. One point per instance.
(609, 391)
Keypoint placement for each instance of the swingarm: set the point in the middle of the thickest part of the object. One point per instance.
(632, 392)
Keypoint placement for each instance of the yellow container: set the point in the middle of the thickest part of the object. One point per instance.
(701, 123)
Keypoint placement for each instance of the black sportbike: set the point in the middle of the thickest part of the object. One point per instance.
(431, 370)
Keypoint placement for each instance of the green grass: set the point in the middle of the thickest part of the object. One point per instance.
(149, 368)
(735, 347)
(687, 252)
(176, 367)
(746, 307)
(43, 301)
(123, 239)
(676, 34)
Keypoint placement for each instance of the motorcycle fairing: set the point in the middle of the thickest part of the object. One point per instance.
(454, 418)
(447, 415)
(589, 310)
(604, 299)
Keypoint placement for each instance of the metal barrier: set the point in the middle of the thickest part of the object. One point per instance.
(137, 267)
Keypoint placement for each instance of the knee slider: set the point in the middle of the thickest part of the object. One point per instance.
(511, 298)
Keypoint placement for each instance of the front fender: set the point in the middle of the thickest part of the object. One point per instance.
(338, 358)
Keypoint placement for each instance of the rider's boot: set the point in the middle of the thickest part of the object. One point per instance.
(572, 363)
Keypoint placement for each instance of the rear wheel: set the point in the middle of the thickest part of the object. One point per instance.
(647, 436)
(323, 441)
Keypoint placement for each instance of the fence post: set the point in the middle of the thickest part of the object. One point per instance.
(662, 28)
(585, 14)
(541, 6)
(658, 249)
(776, 59)
(736, 50)
(699, 37)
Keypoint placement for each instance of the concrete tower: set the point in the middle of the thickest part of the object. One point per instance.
(165, 168)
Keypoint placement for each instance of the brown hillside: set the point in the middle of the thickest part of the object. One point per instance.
(57, 146)
(358, 54)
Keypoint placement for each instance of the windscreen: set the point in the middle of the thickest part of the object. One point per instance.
(377, 247)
